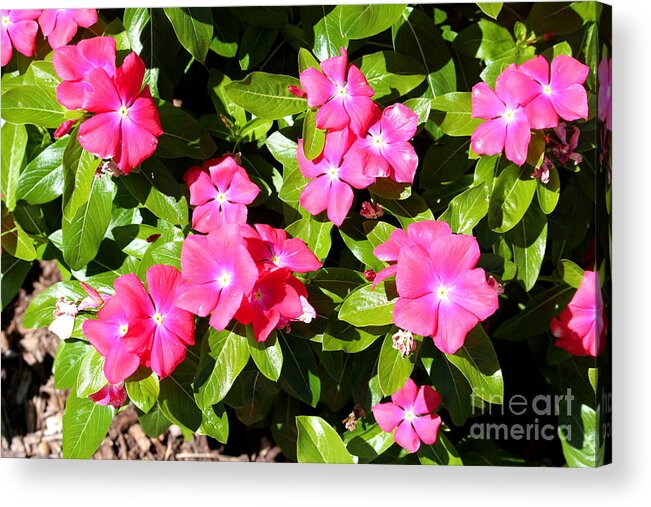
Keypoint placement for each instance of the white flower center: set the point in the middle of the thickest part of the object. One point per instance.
(333, 172)
(276, 260)
(409, 415)
(378, 142)
(123, 329)
(443, 292)
(224, 280)
(509, 115)
(341, 91)
(221, 197)
(258, 295)
(123, 112)
(5, 20)
(158, 318)
(547, 90)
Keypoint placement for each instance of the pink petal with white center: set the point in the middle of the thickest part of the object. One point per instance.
(454, 323)
(335, 68)
(167, 352)
(406, 437)
(319, 88)
(100, 135)
(427, 400)
(427, 428)
(518, 137)
(571, 103)
(332, 115)
(351, 170)
(567, 71)
(162, 282)
(200, 185)
(419, 315)
(337, 144)
(144, 112)
(361, 110)
(405, 396)
(452, 256)
(340, 200)
(233, 213)
(403, 159)
(485, 103)
(388, 416)
(314, 197)
(541, 113)
(489, 137)
(399, 123)
(471, 290)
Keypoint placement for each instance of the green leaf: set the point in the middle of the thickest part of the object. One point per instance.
(224, 355)
(299, 376)
(79, 168)
(328, 38)
(363, 21)
(441, 453)
(15, 240)
(176, 399)
(367, 444)
(135, 20)
(14, 140)
(549, 193)
(313, 138)
(85, 229)
(318, 442)
(214, 423)
(266, 95)
(154, 422)
(407, 211)
(183, 135)
(143, 388)
(306, 60)
(164, 250)
(84, 427)
(557, 17)
(351, 339)
(393, 369)
(12, 277)
(491, 9)
(578, 431)
(477, 361)
(90, 377)
(367, 307)
(571, 273)
(486, 40)
(467, 209)
(193, 27)
(32, 104)
(252, 396)
(315, 233)
(529, 241)
(282, 149)
(255, 44)
(449, 382)
(41, 180)
(267, 355)
(457, 107)
(511, 197)
(391, 74)
(67, 361)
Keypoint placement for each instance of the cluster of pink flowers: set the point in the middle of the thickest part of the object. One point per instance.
(362, 142)
(527, 97)
(440, 291)
(125, 125)
(19, 28)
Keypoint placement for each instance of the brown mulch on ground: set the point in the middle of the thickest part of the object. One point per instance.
(32, 408)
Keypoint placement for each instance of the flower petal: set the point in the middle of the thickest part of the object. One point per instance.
(319, 88)
(405, 396)
(399, 123)
(541, 113)
(406, 437)
(340, 199)
(489, 137)
(518, 137)
(485, 103)
(427, 427)
(100, 135)
(388, 416)
(335, 67)
(567, 71)
(427, 400)
(332, 115)
(453, 325)
(23, 36)
(571, 103)
(315, 195)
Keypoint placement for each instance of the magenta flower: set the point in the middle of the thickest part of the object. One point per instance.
(410, 414)
(73, 63)
(18, 30)
(605, 100)
(220, 190)
(218, 272)
(166, 329)
(126, 125)
(111, 394)
(335, 171)
(507, 128)
(581, 326)
(341, 93)
(441, 293)
(113, 324)
(60, 25)
(270, 248)
(388, 153)
(546, 97)
(563, 149)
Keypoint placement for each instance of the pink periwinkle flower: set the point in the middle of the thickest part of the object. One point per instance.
(580, 329)
(386, 148)
(126, 125)
(341, 93)
(220, 190)
(441, 292)
(73, 63)
(547, 96)
(18, 30)
(60, 25)
(563, 149)
(334, 172)
(271, 248)
(218, 272)
(166, 329)
(372, 211)
(542, 173)
(410, 414)
(605, 98)
(111, 394)
(507, 128)
(94, 299)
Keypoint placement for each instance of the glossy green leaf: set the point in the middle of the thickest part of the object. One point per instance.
(67, 361)
(491, 9)
(214, 423)
(34, 105)
(90, 377)
(193, 27)
(176, 397)
(41, 180)
(14, 139)
(328, 39)
(183, 135)
(467, 209)
(313, 138)
(315, 233)
(393, 369)
(457, 107)
(143, 388)
(299, 376)
(571, 273)
(318, 442)
(578, 431)
(306, 60)
(267, 355)
(12, 276)
(362, 21)
(442, 453)
(367, 444)
(252, 396)
(449, 382)
(529, 241)
(549, 193)
(84, 427)
(391, 74)
(511, 197)
(154, 422)
(367, 307)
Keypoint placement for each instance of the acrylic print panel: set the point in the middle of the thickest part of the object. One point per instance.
(336, 234)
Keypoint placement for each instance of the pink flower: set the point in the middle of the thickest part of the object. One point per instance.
(273, 302)
(371, 211)
(94, 298)
(605, 100)
(441, 293)
(581, 326)
(341, 93)
(73, 63)
(18, 30)
(166, 329)
(218, 272)
(507, 128)
(542, 173)
(60, 25)
(403, 342)
(111, 394)
(113, 324)
(386, 147)
(335, 171)
(563, 149)
(546, 97)
(270, 248)
(220, 190)
(410, 414)
(126, 125)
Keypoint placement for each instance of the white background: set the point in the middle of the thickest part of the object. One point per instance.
(626, 482)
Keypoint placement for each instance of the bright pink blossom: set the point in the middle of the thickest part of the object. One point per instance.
(386, 148)
(111, 394)
(410, 414)
(218, 272)
(334, 172)
(126, 125)
(507, 128)
(220, 190)
(271, 248)
(545, 97)
(581, 326)
(441, 293)
(341, 93)
(166, 329)
(73, 63)
(18, 30)
(60, 25)
(605, 100)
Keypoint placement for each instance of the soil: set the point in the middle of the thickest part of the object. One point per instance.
(32, 409)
